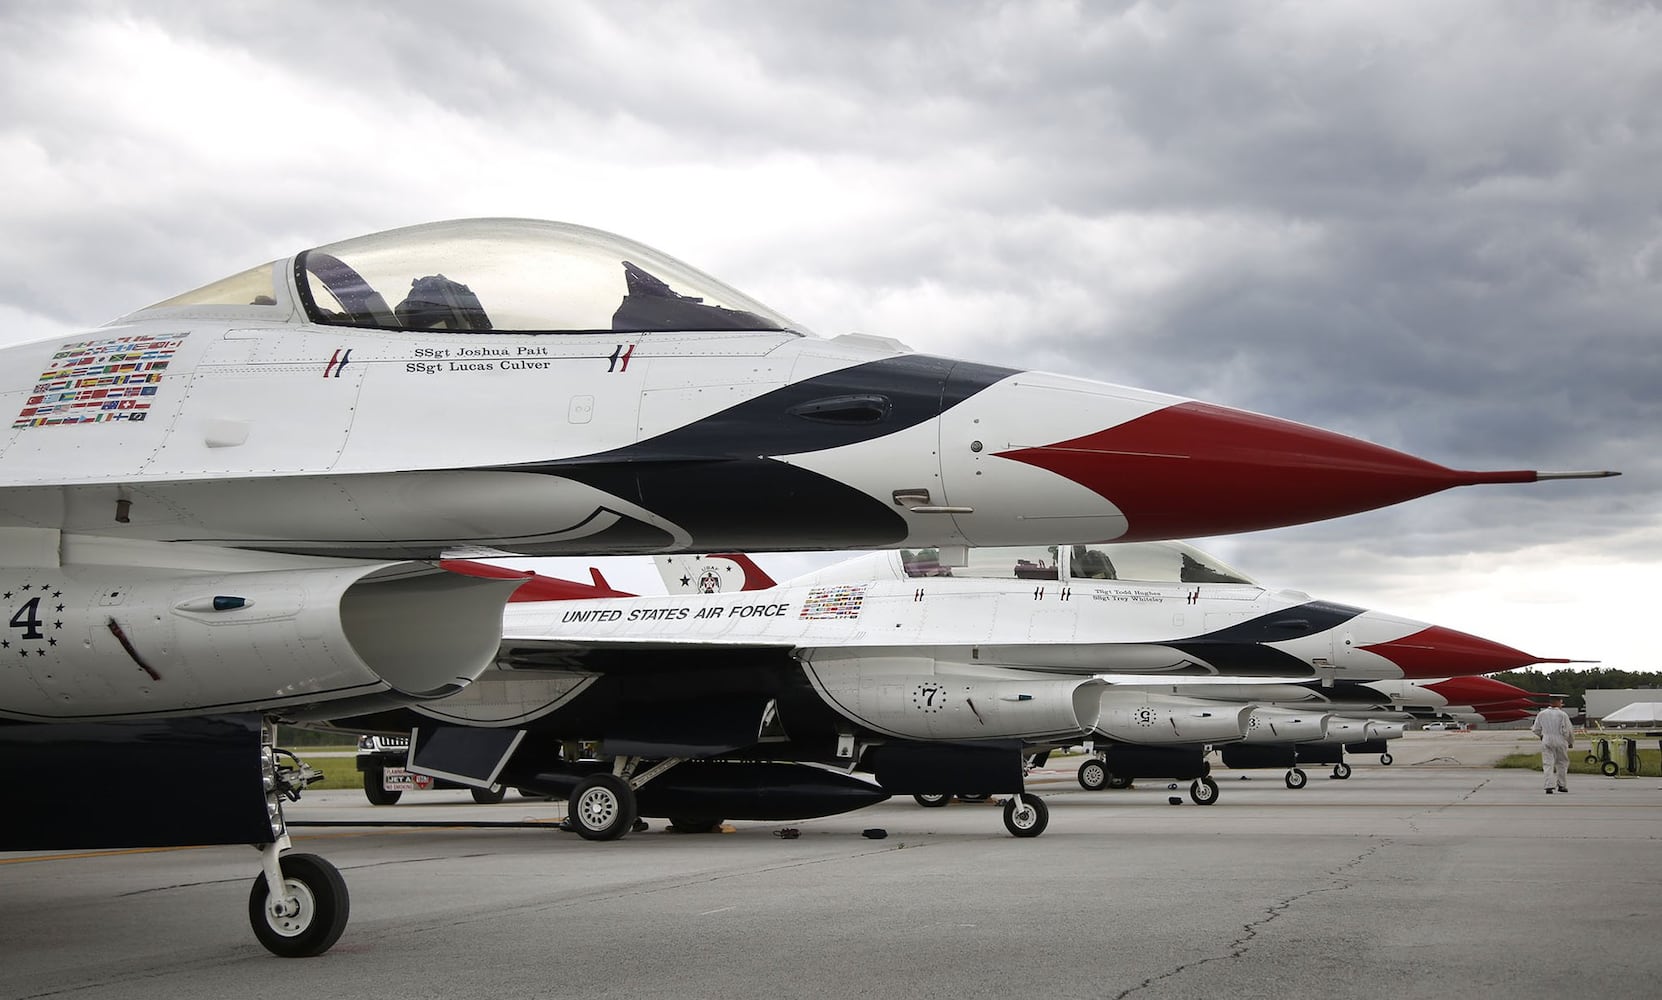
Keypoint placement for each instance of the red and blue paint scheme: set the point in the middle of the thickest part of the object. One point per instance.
(229, 503)
(891, 652)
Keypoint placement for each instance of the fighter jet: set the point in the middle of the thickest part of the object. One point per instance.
(936, 678)
(1468, 699)
(1363, 717)
(208, 507)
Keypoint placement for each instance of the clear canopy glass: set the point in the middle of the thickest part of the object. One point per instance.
(1146, 562)
(497, 275)
(516, 275)
(253, 287)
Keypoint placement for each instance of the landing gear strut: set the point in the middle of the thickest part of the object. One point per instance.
(299, 905)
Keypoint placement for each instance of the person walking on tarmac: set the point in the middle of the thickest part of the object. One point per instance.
(1557, 735)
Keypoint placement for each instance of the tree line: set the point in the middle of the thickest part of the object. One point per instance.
(1573, 684)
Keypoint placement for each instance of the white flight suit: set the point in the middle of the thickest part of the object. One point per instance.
(1557, 735)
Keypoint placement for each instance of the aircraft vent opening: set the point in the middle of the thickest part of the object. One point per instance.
(865, 408)
(426, 633)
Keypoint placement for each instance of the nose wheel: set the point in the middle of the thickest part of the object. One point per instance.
(1296, 778)
(1025, 815)
(310, 913)
(1341, 770)
(1203, 791)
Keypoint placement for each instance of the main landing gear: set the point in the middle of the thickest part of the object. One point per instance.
(938, 799)
(603, 806)
(1094, 776)
(1025, 814)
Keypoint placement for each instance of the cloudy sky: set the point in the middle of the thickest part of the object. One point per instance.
(1434, 226)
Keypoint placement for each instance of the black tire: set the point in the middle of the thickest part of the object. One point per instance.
(324, 908)
(373, 791)
(1609, 768)
(933, 801)
(973, 796)
(1296, 778)
(1341, 770)
(1591, 758)
(689, 825)
(1115, 781)
(1093, 775)
(1386, 759)
(602, 807)
(1027, 820)
(490, 796)
(1204, 791)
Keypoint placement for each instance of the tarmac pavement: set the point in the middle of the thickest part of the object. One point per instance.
(1435, 876)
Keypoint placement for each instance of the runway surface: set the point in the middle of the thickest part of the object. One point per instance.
(1435, 876)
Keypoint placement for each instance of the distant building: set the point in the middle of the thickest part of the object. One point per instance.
(1602, 701)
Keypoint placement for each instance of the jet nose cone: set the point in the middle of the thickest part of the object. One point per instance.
(1167, 470)
(1477, 690)
(1441, 652)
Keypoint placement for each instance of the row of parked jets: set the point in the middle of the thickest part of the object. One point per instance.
(940, 679)
(232, 509)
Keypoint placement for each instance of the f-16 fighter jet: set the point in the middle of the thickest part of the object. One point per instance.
(207, 507)
(937, 678)
(1424, 699)
(1361, 717)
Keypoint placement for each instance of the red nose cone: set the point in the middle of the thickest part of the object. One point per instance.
(1443, 652)
(1477, 690)
(1196, 469)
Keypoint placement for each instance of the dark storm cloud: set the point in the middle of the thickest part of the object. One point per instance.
(1434, 226)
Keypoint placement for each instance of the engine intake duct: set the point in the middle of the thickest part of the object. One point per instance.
(355, 637)
(1279, 725)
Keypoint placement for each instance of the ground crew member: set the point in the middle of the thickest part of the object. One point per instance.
(1557, 735)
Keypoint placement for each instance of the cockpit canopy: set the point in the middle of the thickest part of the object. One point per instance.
(1147, 562)
(498, 275)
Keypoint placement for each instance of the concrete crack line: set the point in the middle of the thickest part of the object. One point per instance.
(1238, 947)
